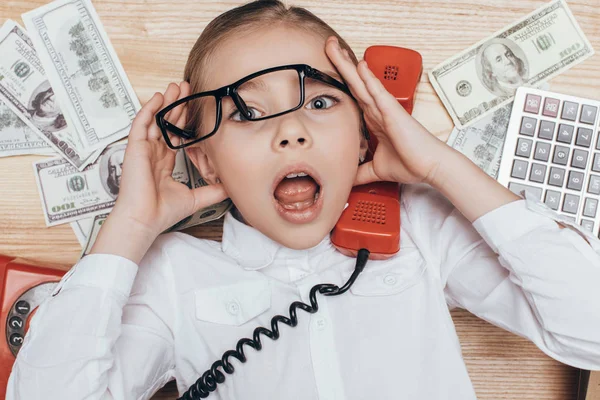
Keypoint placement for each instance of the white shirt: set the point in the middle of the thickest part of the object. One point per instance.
(116, 330)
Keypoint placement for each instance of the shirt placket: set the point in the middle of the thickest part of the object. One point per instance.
(325, 360)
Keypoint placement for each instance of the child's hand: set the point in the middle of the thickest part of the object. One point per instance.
(148, 194)
(407, 152)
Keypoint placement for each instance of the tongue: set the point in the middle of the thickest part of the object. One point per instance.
(296, 193)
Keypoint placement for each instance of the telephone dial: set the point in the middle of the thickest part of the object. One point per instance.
(22, 288)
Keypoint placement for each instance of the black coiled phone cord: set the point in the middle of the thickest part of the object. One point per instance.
(208, 382)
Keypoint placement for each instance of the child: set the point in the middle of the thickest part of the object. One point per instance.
(143, 309)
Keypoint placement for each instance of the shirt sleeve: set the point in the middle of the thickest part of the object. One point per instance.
(104, 333)
(515, 268)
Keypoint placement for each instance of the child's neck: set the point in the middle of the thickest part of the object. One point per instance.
(238, 215)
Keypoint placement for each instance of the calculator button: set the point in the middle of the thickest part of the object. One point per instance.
(517, 187)
(579, 159)
(524, 147)
(546, 130)
(569, 111)
(542, 151)
(569, 218)
(575, 180)
(590, 206)
(519, 169)
(561, 154)
(596, 163)
(538, 173)
(552, 199)
(557, 177)
(588, 114)
(565, 133)
(570, 203)
(551, 107)
(532, 103)
(528, 126)
(587, 224)
(594, 184)
(584, 137)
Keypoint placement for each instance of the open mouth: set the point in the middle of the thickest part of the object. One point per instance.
(297, 193)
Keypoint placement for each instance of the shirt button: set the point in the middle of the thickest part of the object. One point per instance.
(233, 308)
(320, 323)
(390, 279)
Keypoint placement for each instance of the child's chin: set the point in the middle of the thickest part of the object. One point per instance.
(302, 237)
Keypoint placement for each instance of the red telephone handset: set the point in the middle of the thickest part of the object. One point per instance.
(372, 218)
(22, 289)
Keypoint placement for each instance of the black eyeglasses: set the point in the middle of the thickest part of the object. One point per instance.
(271, 92)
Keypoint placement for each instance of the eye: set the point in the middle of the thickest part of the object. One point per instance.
(237, 115)
(322, 102)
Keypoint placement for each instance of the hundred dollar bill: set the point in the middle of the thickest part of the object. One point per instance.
(68, 194)
(82, 66)
(25, 89)
(210, 213)
(483, 141)
(16, 138)
(92, 233)
(485, 77)
(82, 228)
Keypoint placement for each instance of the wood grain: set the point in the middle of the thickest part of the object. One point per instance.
(153, 38)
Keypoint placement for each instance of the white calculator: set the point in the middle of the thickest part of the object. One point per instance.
(552, 150)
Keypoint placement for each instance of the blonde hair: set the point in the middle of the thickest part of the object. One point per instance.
(242, 20)
(245, 19)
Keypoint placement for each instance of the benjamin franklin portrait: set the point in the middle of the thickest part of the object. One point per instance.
(44, 109)
(502, 66)
(111, 169)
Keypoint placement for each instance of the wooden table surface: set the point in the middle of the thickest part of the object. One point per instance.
(153, 38)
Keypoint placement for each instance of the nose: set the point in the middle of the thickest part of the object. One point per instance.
(291, 134)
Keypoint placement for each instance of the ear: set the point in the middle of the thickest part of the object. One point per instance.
(364, 143)
(201, 160)
(364, 147)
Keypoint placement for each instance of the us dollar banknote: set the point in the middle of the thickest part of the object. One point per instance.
(485, 77)
(82, 66)
(16, 138)
(82, 228)
(25, 89)
(92, 234)
(68, 194)
(483, 141)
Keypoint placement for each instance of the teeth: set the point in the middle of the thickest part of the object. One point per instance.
(294, 175)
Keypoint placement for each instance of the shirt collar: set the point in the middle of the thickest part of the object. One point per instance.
(253, 250)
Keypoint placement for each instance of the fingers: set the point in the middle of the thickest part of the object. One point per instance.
(169, 97)
(384, 100)
(174, 115)
(346, 67)
(365, 174)
(207, 195)
(185, 89)
(145, 117)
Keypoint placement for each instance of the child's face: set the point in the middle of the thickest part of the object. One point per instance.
(249, 159)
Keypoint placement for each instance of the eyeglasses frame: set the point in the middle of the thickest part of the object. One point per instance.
(304, 71)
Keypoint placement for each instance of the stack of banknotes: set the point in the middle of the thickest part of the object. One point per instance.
(477, 86)
(64, 94)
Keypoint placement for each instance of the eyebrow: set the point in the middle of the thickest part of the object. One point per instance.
(333, 74)
(254, 84)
